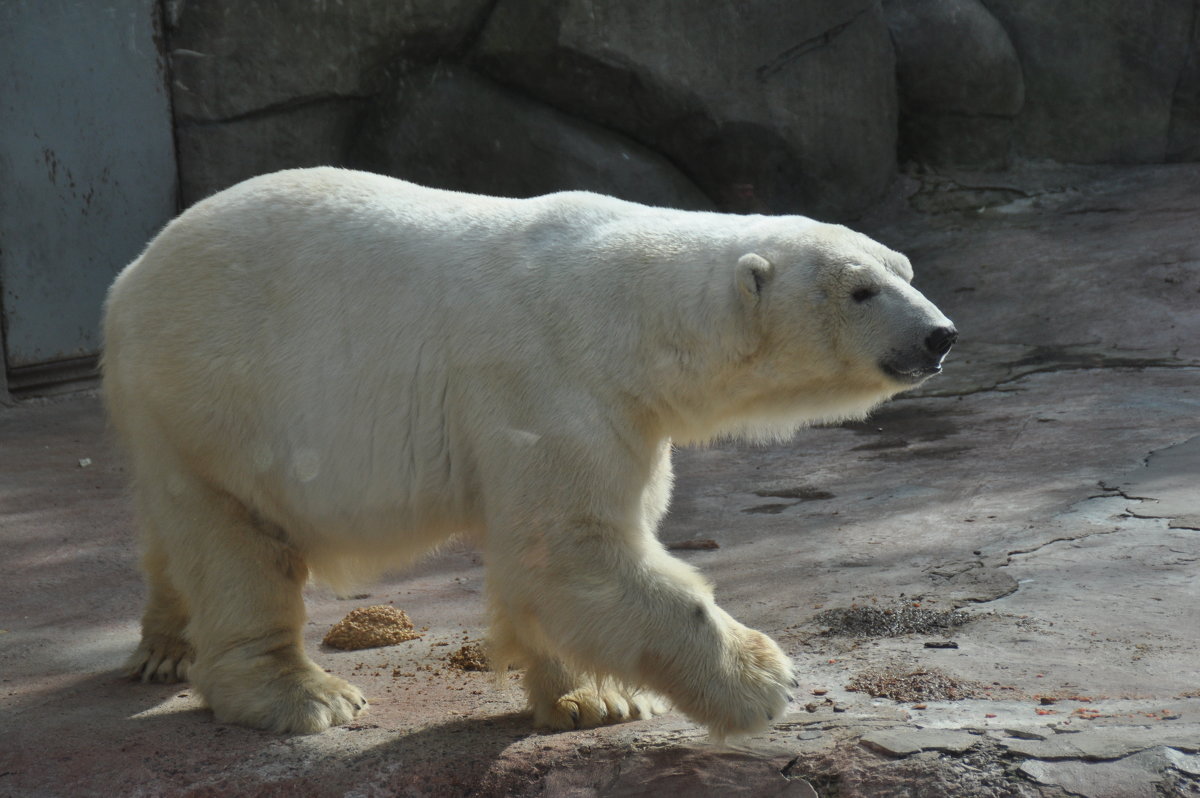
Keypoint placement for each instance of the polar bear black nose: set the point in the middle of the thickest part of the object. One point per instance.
(940, 340)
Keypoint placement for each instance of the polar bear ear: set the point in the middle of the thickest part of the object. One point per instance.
(752, 274)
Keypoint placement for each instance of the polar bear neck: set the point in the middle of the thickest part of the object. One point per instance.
(643, 302)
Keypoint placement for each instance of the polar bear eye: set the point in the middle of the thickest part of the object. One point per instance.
(863, 294)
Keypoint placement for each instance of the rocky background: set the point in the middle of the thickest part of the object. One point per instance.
(781, 106)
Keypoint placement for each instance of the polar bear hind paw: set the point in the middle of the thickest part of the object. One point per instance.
(588, 707)
(164, 659)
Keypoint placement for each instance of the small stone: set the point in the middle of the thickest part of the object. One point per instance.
(693, 545)
(1184, 763)
(470, 657)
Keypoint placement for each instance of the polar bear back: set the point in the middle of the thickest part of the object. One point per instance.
(339, 347)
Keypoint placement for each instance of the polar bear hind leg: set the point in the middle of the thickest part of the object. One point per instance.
(241, 583)
(164, 655)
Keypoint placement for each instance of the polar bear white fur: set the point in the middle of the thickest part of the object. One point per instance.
(331, 370)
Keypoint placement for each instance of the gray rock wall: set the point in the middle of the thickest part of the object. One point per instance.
(1100, 75)
(768, 105)
(775, 106)
(959, 79)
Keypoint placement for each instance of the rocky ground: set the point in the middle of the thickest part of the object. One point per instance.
(989, 587)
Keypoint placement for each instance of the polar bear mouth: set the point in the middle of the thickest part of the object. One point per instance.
(910, 375)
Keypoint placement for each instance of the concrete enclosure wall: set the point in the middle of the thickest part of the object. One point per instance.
(87, 167)
(744, 105)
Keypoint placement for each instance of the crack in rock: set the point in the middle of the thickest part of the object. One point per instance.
(982, 368)
(274, 109)
(797, 51)
(1064, 539)
(1059, 368)
(1170, 479)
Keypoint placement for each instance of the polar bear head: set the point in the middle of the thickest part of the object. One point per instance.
(838, 323)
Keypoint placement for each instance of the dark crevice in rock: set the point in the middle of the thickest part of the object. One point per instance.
(291, 104)
(1184, 113)
(784, 771)
(1013, 189)
(471, 39)
(1171, 523)
(1123, 495)
(1064, 539)
(1118, 363)
(794, 53)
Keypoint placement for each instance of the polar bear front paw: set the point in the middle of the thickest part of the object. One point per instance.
(587, 707)
(160, 658)
(755, 690)
(305, 700)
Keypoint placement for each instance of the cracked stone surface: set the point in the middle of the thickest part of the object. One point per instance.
(902, 742)
(1140, 775)
(1045, 485)
(1113, 742)
(1167, 486)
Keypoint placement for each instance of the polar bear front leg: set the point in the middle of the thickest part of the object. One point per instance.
(611, 602)
(562, 698)
(241, 583)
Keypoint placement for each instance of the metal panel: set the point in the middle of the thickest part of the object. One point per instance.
(87, 164)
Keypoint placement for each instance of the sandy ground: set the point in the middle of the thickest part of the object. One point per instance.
(1033, 513)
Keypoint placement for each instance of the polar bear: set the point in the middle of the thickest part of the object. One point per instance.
(330, 371)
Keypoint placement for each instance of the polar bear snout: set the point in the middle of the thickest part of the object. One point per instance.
(938, 342)
(922, 360)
